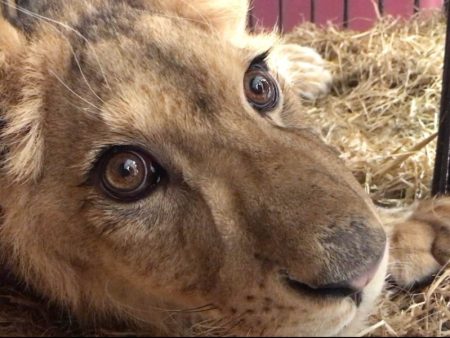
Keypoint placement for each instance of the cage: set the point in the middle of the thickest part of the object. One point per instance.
(354, 14)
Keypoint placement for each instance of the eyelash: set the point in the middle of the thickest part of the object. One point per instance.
(261, 61)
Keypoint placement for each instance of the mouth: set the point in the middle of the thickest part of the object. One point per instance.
(352, 289)
(334, 291)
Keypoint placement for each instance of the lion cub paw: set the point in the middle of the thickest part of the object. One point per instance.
(420, 245)
(303, 69)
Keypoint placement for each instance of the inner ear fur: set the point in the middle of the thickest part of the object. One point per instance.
(12, 43)
(26, 70)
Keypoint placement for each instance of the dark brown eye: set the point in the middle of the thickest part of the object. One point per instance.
(128, 174)
(261, 89)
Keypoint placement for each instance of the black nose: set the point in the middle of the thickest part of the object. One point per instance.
(351, 288)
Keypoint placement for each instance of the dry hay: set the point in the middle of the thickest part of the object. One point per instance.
(384, 102)
(381, 117)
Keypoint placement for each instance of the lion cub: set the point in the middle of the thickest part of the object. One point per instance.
(154, 171)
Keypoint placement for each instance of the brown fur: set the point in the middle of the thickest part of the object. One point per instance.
(248, 196)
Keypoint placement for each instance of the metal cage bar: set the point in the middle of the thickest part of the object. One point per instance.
(354, 14)
(441, 176)
(280, 13)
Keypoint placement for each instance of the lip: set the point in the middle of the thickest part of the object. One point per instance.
(333, 291)
(336, 291)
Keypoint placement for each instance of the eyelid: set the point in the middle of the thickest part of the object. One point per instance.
(261, 60)
(88, 173)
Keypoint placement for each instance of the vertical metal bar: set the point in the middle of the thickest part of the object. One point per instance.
(381, 7)
(441, 183)
(345, 14)
(416, 6)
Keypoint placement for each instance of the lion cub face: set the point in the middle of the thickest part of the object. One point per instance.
(145, 176)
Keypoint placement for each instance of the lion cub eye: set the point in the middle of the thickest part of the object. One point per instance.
(261, 89)
(128, 174)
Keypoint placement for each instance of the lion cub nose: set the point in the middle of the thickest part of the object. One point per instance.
(362, 281)
(357, 284)
(349, 288)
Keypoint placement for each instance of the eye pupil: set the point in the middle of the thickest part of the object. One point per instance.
(129, 168)
(260, 85)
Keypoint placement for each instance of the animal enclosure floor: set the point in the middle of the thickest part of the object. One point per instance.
(382, 118)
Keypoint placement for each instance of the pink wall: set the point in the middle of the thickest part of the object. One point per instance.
(329, 11)
(362, 14)
(295, 11)
(355, 14)
(265, 13)
(431, 3)
(403, 8)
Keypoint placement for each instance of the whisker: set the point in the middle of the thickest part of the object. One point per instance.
(73, 92)
(73, 54)
(237, 323)
(208, 307)
(63, 25)
(168, 311)
(83, 75)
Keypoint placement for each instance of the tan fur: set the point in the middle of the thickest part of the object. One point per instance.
(249, 198)
(420, 242)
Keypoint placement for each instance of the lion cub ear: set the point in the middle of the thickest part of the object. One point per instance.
(21, 96)
(12, 46)
(227, 17)
(11, 40)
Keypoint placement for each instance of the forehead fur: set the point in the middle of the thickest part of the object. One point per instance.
(128, 42)
(154, 88)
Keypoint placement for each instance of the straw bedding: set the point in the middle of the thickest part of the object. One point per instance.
(381, 117)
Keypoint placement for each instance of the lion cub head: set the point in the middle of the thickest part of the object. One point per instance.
(144, 175)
